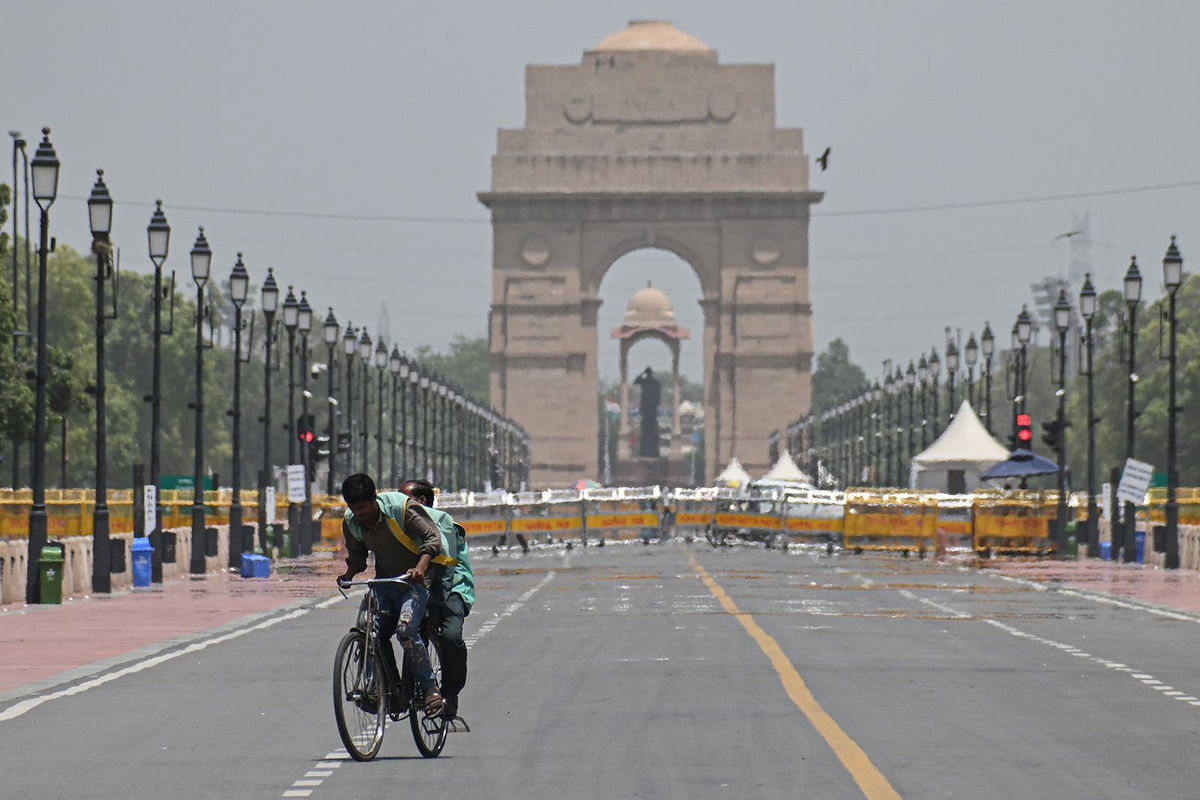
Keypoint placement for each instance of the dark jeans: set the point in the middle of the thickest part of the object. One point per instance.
(451, 646)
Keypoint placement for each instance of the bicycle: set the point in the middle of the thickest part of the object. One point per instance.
(362, 687)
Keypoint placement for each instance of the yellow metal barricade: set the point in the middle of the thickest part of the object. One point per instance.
(1013, 523)
(895, 521)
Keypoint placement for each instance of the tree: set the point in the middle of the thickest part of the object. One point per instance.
(836, 377)
(467, 364)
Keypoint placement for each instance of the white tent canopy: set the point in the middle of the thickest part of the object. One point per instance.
(734, 475)
(785, 472)
(963, 451)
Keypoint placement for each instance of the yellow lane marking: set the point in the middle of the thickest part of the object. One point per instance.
(868, 777)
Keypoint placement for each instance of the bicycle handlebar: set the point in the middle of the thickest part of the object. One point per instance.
(404, 580)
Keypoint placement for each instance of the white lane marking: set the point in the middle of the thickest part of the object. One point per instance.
(298, 793)
(325, 773)
(25, 706)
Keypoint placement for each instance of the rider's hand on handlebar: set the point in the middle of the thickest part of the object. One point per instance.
(344, 579)
(417, 573)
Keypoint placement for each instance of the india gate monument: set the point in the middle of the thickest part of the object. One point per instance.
(649, 142)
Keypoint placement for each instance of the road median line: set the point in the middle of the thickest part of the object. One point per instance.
(872, 782)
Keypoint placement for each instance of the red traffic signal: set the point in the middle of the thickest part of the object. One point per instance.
(1024, 429)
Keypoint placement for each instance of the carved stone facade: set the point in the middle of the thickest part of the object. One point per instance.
(650, 142)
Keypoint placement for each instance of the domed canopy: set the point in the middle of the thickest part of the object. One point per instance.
(651, 34)
(649, 308)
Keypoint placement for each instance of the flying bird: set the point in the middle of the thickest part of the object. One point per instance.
(823, 160)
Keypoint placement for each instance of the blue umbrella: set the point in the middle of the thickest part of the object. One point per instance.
(1021, 464)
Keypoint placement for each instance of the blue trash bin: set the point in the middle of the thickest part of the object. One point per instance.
(262, 567)
(1106, 551)
(1140, 536)
(247, 565)
(142, 556)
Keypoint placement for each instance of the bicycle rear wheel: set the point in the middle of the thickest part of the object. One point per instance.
(359, 704)
(428, 732)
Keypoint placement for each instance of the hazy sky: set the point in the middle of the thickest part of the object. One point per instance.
(385, 108)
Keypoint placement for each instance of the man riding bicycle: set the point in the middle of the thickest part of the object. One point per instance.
(450, 598)
(405, 541)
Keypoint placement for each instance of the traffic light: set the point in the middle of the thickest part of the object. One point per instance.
(320, 448)
(1050, 434)
(305, 428)
(1025, 431)
(343, 441)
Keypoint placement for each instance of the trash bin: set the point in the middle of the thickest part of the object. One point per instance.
(1106, 551)
(116, 555)
(142, 555)
(1140, 537)
(210, 541)
(50, 573)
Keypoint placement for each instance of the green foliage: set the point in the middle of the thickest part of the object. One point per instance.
(836, 377)
(466, 363)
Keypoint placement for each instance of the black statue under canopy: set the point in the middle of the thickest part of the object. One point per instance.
(651, 394)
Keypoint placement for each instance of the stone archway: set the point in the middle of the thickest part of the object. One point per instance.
(649, 142)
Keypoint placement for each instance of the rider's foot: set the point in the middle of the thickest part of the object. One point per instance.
(433, 702)
(449, 707)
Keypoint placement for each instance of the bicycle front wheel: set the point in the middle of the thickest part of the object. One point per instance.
(359, 704)
(429, 732)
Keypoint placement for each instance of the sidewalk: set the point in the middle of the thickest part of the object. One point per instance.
(1177, 589)
(39, 642)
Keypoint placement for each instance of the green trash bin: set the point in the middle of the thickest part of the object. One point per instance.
(50, 573)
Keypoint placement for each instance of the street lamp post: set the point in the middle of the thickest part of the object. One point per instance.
(405, 442)
(239, 287)
(45, 189)
(1024, 335)
(1087, 308)
(291, 318)
(201, 262)
(303, 539)
(381, 361)
(935, 369)
(158, 235)
(888, 396)
(1172, 277)
(349, 348)
(100, 207)
(1062, 323)
(951, 374)
(423, 405)
(987, 346)
(972, 356)
(270, 304)
(443, 472)
(394, 362)
(923, 377)
(1132, 286)
(332, 332)
(910, 379)
(364, 355)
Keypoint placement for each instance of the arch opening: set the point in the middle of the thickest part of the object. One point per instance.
(650, 318)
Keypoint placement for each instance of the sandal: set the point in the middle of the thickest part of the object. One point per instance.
(433, 703)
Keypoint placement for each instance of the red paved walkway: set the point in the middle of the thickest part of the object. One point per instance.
(41, 641)
(1178, 589)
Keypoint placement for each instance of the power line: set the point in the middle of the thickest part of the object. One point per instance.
(1045, 198)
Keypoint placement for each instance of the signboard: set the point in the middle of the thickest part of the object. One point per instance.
(270, 503)
(546, 524)
(1135, 481)
(149, 508)
(186, 482)
(295, 483)
(629, 519)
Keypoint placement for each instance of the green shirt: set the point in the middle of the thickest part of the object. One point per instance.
(460, 578)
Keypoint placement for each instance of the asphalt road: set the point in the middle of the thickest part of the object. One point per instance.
(674, 671)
